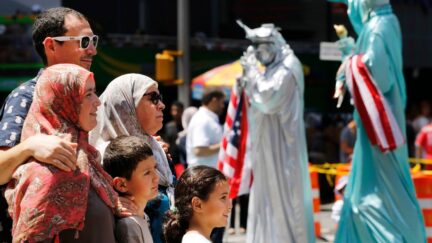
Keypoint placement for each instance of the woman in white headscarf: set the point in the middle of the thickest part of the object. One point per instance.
(132, 105)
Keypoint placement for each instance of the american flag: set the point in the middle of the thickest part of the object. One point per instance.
(375, 113)
(234, 159)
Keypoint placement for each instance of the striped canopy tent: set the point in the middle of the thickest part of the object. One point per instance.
(221, 77)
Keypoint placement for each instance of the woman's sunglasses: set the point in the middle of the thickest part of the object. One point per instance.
(154, 97)
(84, 40)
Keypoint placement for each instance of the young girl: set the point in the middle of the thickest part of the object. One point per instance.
(201, 204)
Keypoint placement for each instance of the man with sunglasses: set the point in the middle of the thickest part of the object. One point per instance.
(60, 35)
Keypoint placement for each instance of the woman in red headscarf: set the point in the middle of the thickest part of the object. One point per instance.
(49, 204)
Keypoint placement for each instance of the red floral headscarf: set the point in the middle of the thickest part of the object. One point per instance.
(44, 200)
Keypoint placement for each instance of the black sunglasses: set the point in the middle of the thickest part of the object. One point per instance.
(84, 40)
(154, 97)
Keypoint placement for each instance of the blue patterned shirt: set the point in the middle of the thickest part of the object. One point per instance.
(14, 111)
(12, 116)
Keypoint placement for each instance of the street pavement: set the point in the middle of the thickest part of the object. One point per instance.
(328, 228)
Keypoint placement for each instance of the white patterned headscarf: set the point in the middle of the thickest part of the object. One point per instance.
(117, 116)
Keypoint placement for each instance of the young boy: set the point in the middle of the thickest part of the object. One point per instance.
(129, 160)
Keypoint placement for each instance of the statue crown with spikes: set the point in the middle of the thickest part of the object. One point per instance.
(266, 33)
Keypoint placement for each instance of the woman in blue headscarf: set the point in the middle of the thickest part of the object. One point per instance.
(380, 204)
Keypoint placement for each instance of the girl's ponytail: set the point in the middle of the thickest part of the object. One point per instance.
(174, 228)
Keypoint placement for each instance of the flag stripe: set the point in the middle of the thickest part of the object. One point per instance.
(392, 128)
(362, 112)
(382, 128)
(371, 106)
(375, 113)
(234, 146)
(242, 146)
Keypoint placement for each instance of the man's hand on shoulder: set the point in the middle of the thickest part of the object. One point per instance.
(53, 150)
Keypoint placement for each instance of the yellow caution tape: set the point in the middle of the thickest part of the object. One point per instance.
(420, 161)
(331, 171)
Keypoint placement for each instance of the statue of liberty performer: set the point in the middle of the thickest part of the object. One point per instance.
(380, 203)
(280, 206)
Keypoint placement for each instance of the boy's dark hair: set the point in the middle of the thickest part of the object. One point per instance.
(50, 23)
(209, 95)
(123, 154)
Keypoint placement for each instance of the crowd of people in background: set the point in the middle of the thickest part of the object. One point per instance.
(62, 138)
(330, 136)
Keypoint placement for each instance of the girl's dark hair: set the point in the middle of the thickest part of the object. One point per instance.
(197, 181)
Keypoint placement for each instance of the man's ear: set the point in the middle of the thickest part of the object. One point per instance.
(120, 184)
(49, 45)
(197, 205)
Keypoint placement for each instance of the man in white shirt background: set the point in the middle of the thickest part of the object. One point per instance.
(205, 131)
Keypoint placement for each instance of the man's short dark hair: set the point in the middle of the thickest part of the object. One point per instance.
(50, 23)
(209, 95)
(123, 154)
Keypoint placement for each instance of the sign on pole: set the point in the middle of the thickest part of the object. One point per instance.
(329, 51)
